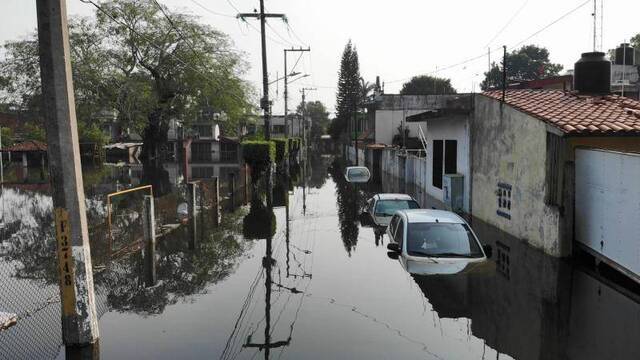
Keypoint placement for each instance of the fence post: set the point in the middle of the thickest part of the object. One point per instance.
(246, 184)
(232, 186)
(216, 201)
(193, 226)
(149, 221)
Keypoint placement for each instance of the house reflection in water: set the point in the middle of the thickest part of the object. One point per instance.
(531, 306)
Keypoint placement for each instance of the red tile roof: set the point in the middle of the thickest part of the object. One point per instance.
(576, 114)
(27, 146)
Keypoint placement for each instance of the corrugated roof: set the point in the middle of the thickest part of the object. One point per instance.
(576, 114)
(27, 146)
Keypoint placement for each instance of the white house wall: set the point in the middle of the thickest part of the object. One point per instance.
(509, 147)
(387, 122)
(455, 128)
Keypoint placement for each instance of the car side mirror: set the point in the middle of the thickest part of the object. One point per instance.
(393, 247)
(393, 255)
(488, 250)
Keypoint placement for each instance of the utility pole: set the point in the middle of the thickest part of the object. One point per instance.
(304, 119)
(265, 104)
(79, 320)
(504, 72)
(286, 89)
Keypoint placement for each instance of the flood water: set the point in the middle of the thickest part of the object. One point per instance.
(318, 285)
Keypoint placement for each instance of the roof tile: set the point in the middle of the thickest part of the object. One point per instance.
(574, 113)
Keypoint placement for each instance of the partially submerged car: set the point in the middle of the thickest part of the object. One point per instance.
(381, 207)
(434, 236)
(357, 174)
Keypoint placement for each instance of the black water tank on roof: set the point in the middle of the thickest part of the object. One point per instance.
(592, 74)
(624, 55)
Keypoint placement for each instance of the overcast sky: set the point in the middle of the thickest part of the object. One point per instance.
(395, 39)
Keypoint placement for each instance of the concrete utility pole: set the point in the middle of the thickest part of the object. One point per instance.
(286, 89)
(265, 104)
(79, 320)
(304, 115)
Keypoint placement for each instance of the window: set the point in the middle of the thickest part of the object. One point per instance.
(204, 130)
(437, 163)
(399, 237)
(201, 151)
(392, 226)
(451, 157)
(389, 207)
(228, 152)
(202, 172)
(442, 239)
(278, 129)
(553, 169)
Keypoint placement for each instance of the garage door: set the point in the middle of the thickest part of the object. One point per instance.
(608, 205)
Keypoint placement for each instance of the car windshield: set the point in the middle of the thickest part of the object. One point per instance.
(441, 240)
(389, 207)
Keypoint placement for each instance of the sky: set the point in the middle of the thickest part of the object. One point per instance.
(395, 39)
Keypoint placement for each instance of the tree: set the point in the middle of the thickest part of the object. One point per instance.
(319, 116)
(349, 93)
(527, 63)
(142, 62)
(427, 85)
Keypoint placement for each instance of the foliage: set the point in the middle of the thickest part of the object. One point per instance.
(349, 95)
(7, 136)
(282, 148)
(427, 85)
(34, 132)
(260, 222)
(144, 67)
(259, 155)
(319, 116)
(527, 63)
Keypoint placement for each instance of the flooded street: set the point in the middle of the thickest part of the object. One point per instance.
(331, 292)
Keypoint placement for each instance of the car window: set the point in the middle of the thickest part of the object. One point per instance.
(360, 174)
(392, 226)
(441, 239)
(389, 207)
(399, 236)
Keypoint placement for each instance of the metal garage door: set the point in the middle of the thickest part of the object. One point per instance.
(608, 205)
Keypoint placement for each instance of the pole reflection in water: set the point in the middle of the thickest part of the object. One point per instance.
(89, 352)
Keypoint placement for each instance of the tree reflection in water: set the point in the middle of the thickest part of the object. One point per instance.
(348, 199)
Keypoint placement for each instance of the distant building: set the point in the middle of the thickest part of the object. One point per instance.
(386, 114)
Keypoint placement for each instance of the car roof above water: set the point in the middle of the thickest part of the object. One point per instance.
(388, 196)
(432, 216)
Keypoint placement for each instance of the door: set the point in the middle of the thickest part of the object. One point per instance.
(607, 205)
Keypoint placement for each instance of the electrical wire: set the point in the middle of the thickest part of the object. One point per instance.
(508, 23)
(211, 11)
(562, 17)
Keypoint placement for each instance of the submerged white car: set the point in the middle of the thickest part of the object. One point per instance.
(357, 174)
(435, 236)
(381, 207)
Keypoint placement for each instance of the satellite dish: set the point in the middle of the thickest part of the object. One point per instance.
(216, 133)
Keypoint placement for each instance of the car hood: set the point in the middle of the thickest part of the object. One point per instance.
(445, 266)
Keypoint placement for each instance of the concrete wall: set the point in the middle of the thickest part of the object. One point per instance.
(453, 128)
(387, 122)
(509, 147)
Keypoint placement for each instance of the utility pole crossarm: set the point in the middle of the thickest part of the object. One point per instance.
(257, 16)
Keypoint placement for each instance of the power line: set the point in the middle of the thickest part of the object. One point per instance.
(562, 17)
(508, 23)
(211, 11)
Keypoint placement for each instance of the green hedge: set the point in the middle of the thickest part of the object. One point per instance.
(282, 149)
(259, 155)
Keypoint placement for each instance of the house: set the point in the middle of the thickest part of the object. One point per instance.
(560, 169)
(293, 126)
(447, 131)
(386, 114)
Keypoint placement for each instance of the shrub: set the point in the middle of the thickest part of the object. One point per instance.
(259, 155)
(282, 149)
